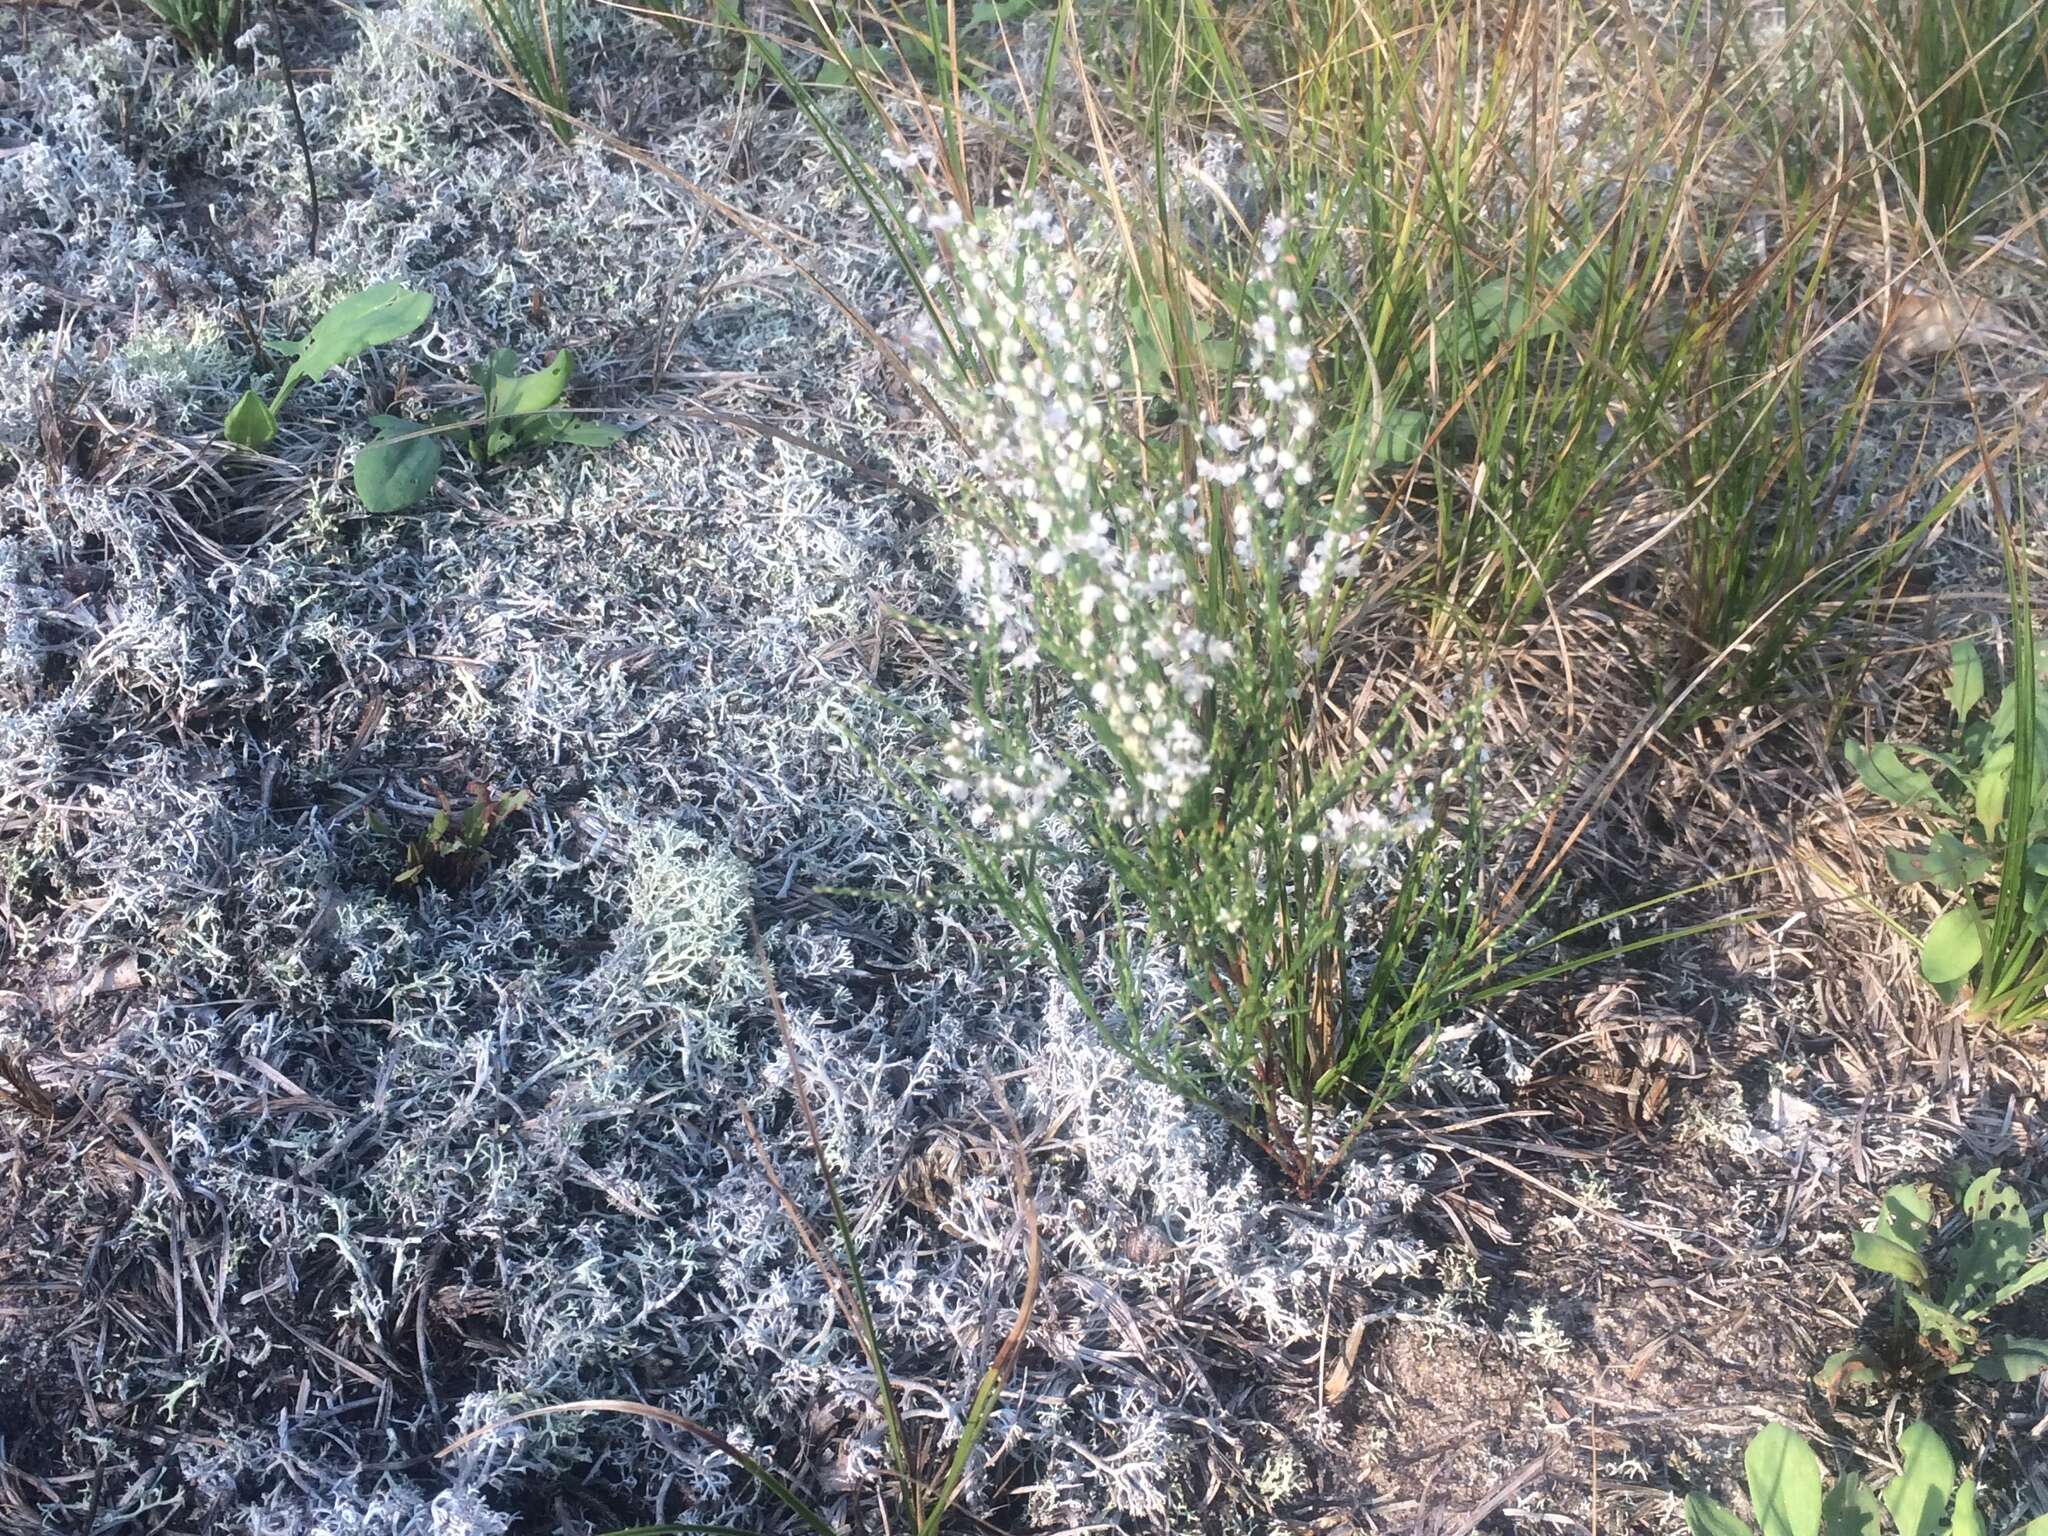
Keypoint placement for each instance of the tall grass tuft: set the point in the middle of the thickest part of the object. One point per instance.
(528, 35)
(205, 27)
(1948, 90)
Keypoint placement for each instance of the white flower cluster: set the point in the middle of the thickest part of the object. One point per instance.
(1263, 455)
(1006, 793)
(1083, 571)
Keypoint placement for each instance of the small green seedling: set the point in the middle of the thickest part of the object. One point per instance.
(1786, 1497)
(452, 852)
(397, 468)
(1939, 1322)
(380, 313)
(1984, 802)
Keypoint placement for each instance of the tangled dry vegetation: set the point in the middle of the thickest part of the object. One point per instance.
(327, 1136)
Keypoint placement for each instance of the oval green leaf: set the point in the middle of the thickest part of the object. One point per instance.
(381, 312)
(1889, 1258)
(1704, 1517)
(398, 468)
(1885, 774)
(1918, 1496)
(1953, 946)
(1784, 1482)
(1850, 1509)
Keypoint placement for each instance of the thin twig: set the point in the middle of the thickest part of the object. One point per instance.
(291, 96)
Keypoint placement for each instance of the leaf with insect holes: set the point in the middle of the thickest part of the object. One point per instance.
(1784, 1482)
(380, 313)
(1952, 946)
(1965, 678)
(1945, 862)
(1850, 1509)
(1881, 771)
(1705, 1517)
(2013, 1359)
(397, 467)
(249, 423)
(1950, 1339)
(1849, 1370)
(1906, 1215)
(1997, 1251)
(1918, 1496)
(560, 427)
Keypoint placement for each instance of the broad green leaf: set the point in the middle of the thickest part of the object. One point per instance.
(1705, 1517)
(1953, 945)
(527, 394)
(1391, 437)
(1784, 1482)
(1918, 1496)
(1965, 1520)
(1850, 1509)
(1965, 678)
(1889, 1258)
(2013, 1359)
(1946, 862)
(1906, 1215)
(250, 423)
(380, 313)
(500, 365)
(2038, 1526)
(1562, 290)
(1991, 790)
(1882, 773)
(1849, 1370)
(398, 467)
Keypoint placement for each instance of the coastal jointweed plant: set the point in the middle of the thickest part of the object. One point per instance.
(455, 847)
(1786, 1497)
(515, 411)
(1942, 1300)
(1161, 782)
(380, 313)
(1983, 800)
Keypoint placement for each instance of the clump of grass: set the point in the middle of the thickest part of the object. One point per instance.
(1948, 89)
(205, 27)
(528, 35)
